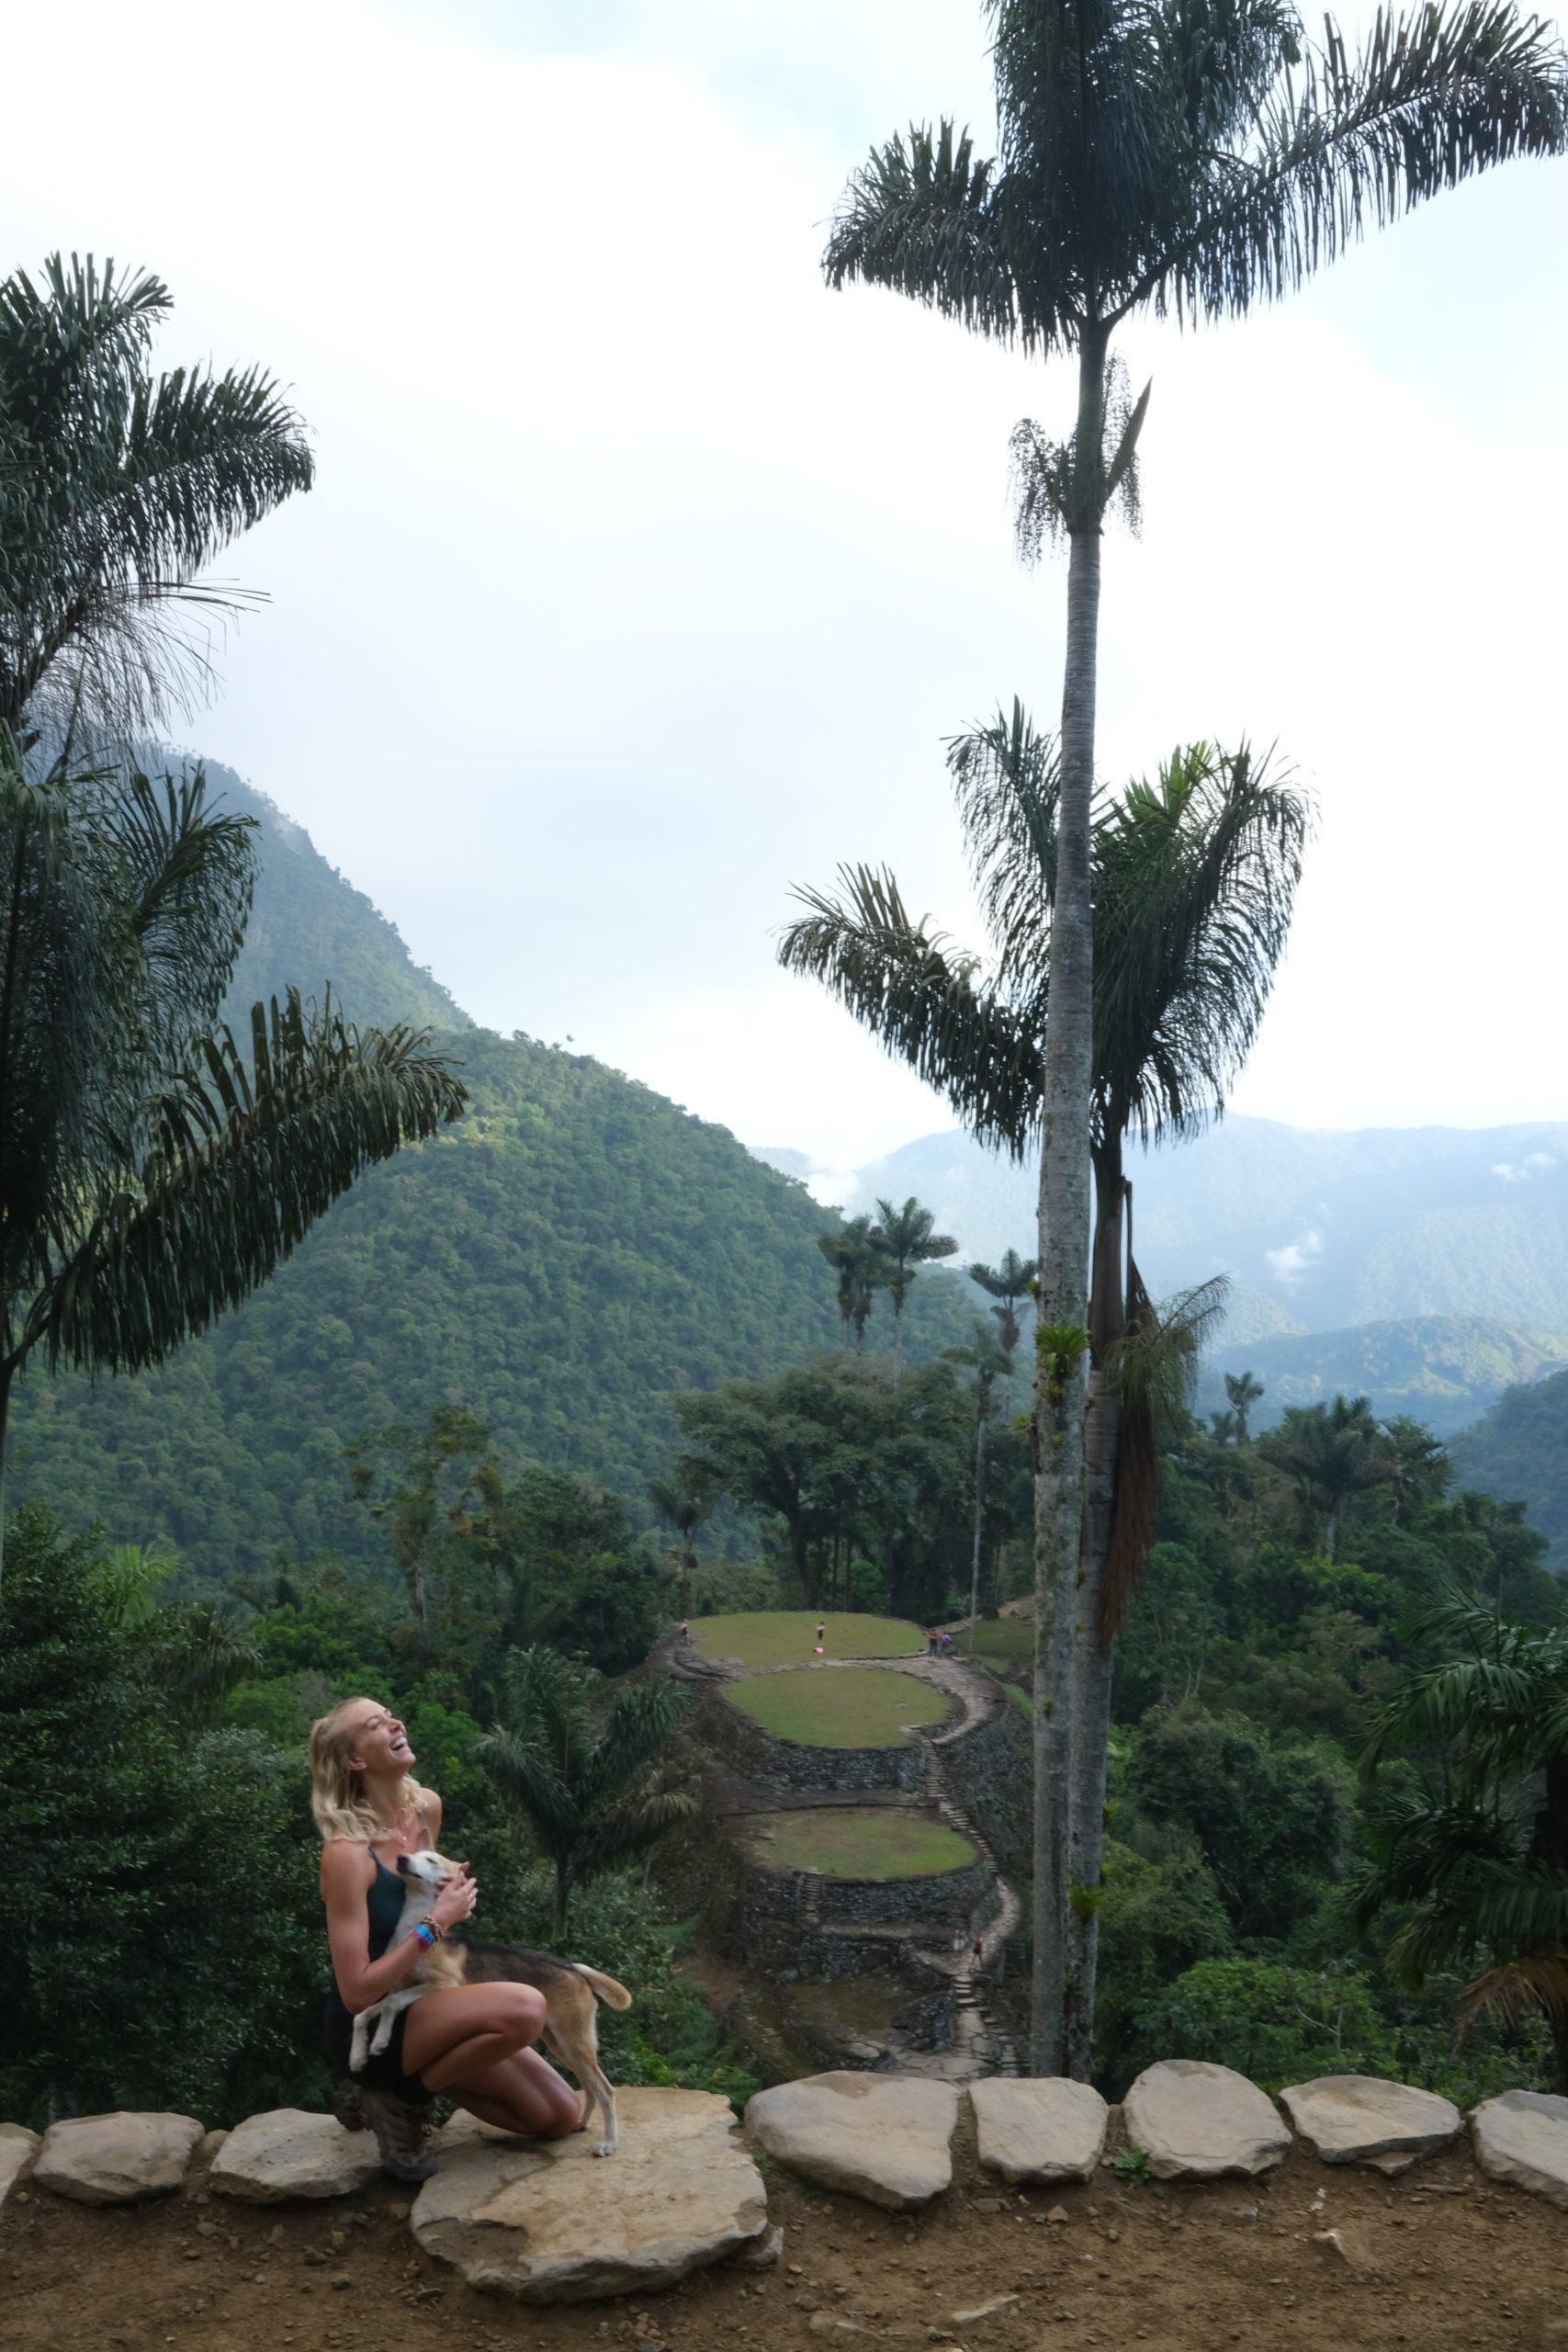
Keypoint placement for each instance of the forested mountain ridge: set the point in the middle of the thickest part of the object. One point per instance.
(572, 1253)
(1440, 1369)
(311, 929)
(1519, 1451)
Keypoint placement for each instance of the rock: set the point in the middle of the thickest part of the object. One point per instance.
(290, 2152)
(18, 2147)
(981, 2311)
(1195, 2121)
(1045, 2129)
(884, 2137)
(1522, 2137)
(761, 2254)
(550, 2222)
(1359, 2119)
(1349, 2246)
(113, 2159)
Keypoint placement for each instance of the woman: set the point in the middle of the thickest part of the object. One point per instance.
(471, 2045)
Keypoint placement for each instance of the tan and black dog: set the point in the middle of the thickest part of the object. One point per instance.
(571, 1992)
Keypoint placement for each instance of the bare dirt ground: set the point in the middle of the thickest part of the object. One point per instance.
(1441, 2258)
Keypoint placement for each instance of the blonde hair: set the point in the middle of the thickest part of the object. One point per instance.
(337, 1793)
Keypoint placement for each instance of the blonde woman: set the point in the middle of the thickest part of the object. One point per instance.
(471, 2045)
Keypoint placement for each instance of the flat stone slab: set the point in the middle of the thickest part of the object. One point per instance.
(550, 2222)
(1195, 2121)
(288, 2151)
(887, 2138)
(1522, 2137)
(18, 2146)
(1360, 2120)
(1040, 2129)
(114, 2159)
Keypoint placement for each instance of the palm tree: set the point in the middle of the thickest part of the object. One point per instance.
(148, 1178)
(117, 489)
(586, 1784)
(1243, 1391)
(1480, 1847)
(1010, 1282)
(855, 1251)
(684, 1503)
(991, 1360)
(1330, 1453)
(908, 1241)
(1154, 157)
(1194, 879)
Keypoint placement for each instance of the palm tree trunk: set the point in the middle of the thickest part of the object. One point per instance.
(979, 1517)
(563, 1898)
(1093, 1658)
(1064, 1236)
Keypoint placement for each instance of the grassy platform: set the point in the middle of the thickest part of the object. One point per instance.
(852, 1706)
(847, 1841)
(1007, 1641)
(788, 1637)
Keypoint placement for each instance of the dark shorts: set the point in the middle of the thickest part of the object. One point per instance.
(383, 2072)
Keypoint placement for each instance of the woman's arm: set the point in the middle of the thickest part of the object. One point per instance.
(347, 1872)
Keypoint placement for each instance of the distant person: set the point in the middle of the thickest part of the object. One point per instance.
(958, 1941)
(684, 1634)
(932, 1640)
(977, 1951)
(946, 1643)
(821, 1635)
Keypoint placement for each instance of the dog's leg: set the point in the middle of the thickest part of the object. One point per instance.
(575, 2044)
(359, 2049)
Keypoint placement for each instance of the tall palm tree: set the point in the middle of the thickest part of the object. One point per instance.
(149, 1176)
(1009, 1282)
(1330, 1453)
(1243, 1391)
(1194, 879)
(991, 1360)
(117, 489)
(585, 1781)
(855, 1249)
(684, 1503)
(1155, 157)
(1478, 1850)
(909, 1240)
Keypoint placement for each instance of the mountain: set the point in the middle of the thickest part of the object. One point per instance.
(572, 1253)
(1518, 1451)
(309, 928)
(1440, 1369)
(1317, 1228)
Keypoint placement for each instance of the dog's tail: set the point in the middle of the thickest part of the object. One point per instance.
(616, 1996)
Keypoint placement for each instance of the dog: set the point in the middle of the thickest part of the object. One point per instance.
(571, 1992)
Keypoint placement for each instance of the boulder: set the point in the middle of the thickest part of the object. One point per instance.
(18, 2146)
(1041, 2128)
(1522, 2137)
(114, 2159)
(1195, 2121)
(550, 2222)
(291, 2153)
(1360, 2120)
(884, 2137)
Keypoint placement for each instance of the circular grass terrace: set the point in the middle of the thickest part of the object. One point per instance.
(851, 1706)
(858, 1841)
(788, 1636)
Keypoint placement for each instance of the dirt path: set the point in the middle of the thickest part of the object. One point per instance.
(1450, 2260)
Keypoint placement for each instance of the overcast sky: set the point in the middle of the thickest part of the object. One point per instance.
(644, 577)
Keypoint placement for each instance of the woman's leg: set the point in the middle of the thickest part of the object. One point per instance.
(451, 2037)
(524, 2094)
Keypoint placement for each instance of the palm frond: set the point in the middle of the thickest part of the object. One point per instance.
(244, 1163)
(923, 999)
(920, 217)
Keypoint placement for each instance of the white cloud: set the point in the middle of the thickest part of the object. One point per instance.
(644, 578)
(1291, 1264)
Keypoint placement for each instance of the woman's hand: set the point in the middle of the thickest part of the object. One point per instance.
(455, 1899)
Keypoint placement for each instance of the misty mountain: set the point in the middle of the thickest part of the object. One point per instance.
(1440, 1369)
(1317, 1229)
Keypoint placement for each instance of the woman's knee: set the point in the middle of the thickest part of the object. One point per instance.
(518, 2012)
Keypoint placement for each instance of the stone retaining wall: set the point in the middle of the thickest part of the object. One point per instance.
(989, 1771)
(795, 1771)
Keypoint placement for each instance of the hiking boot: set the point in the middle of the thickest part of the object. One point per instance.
(348, 2103)
(400, 2130)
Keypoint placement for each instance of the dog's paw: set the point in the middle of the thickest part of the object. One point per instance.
(604, 2148)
